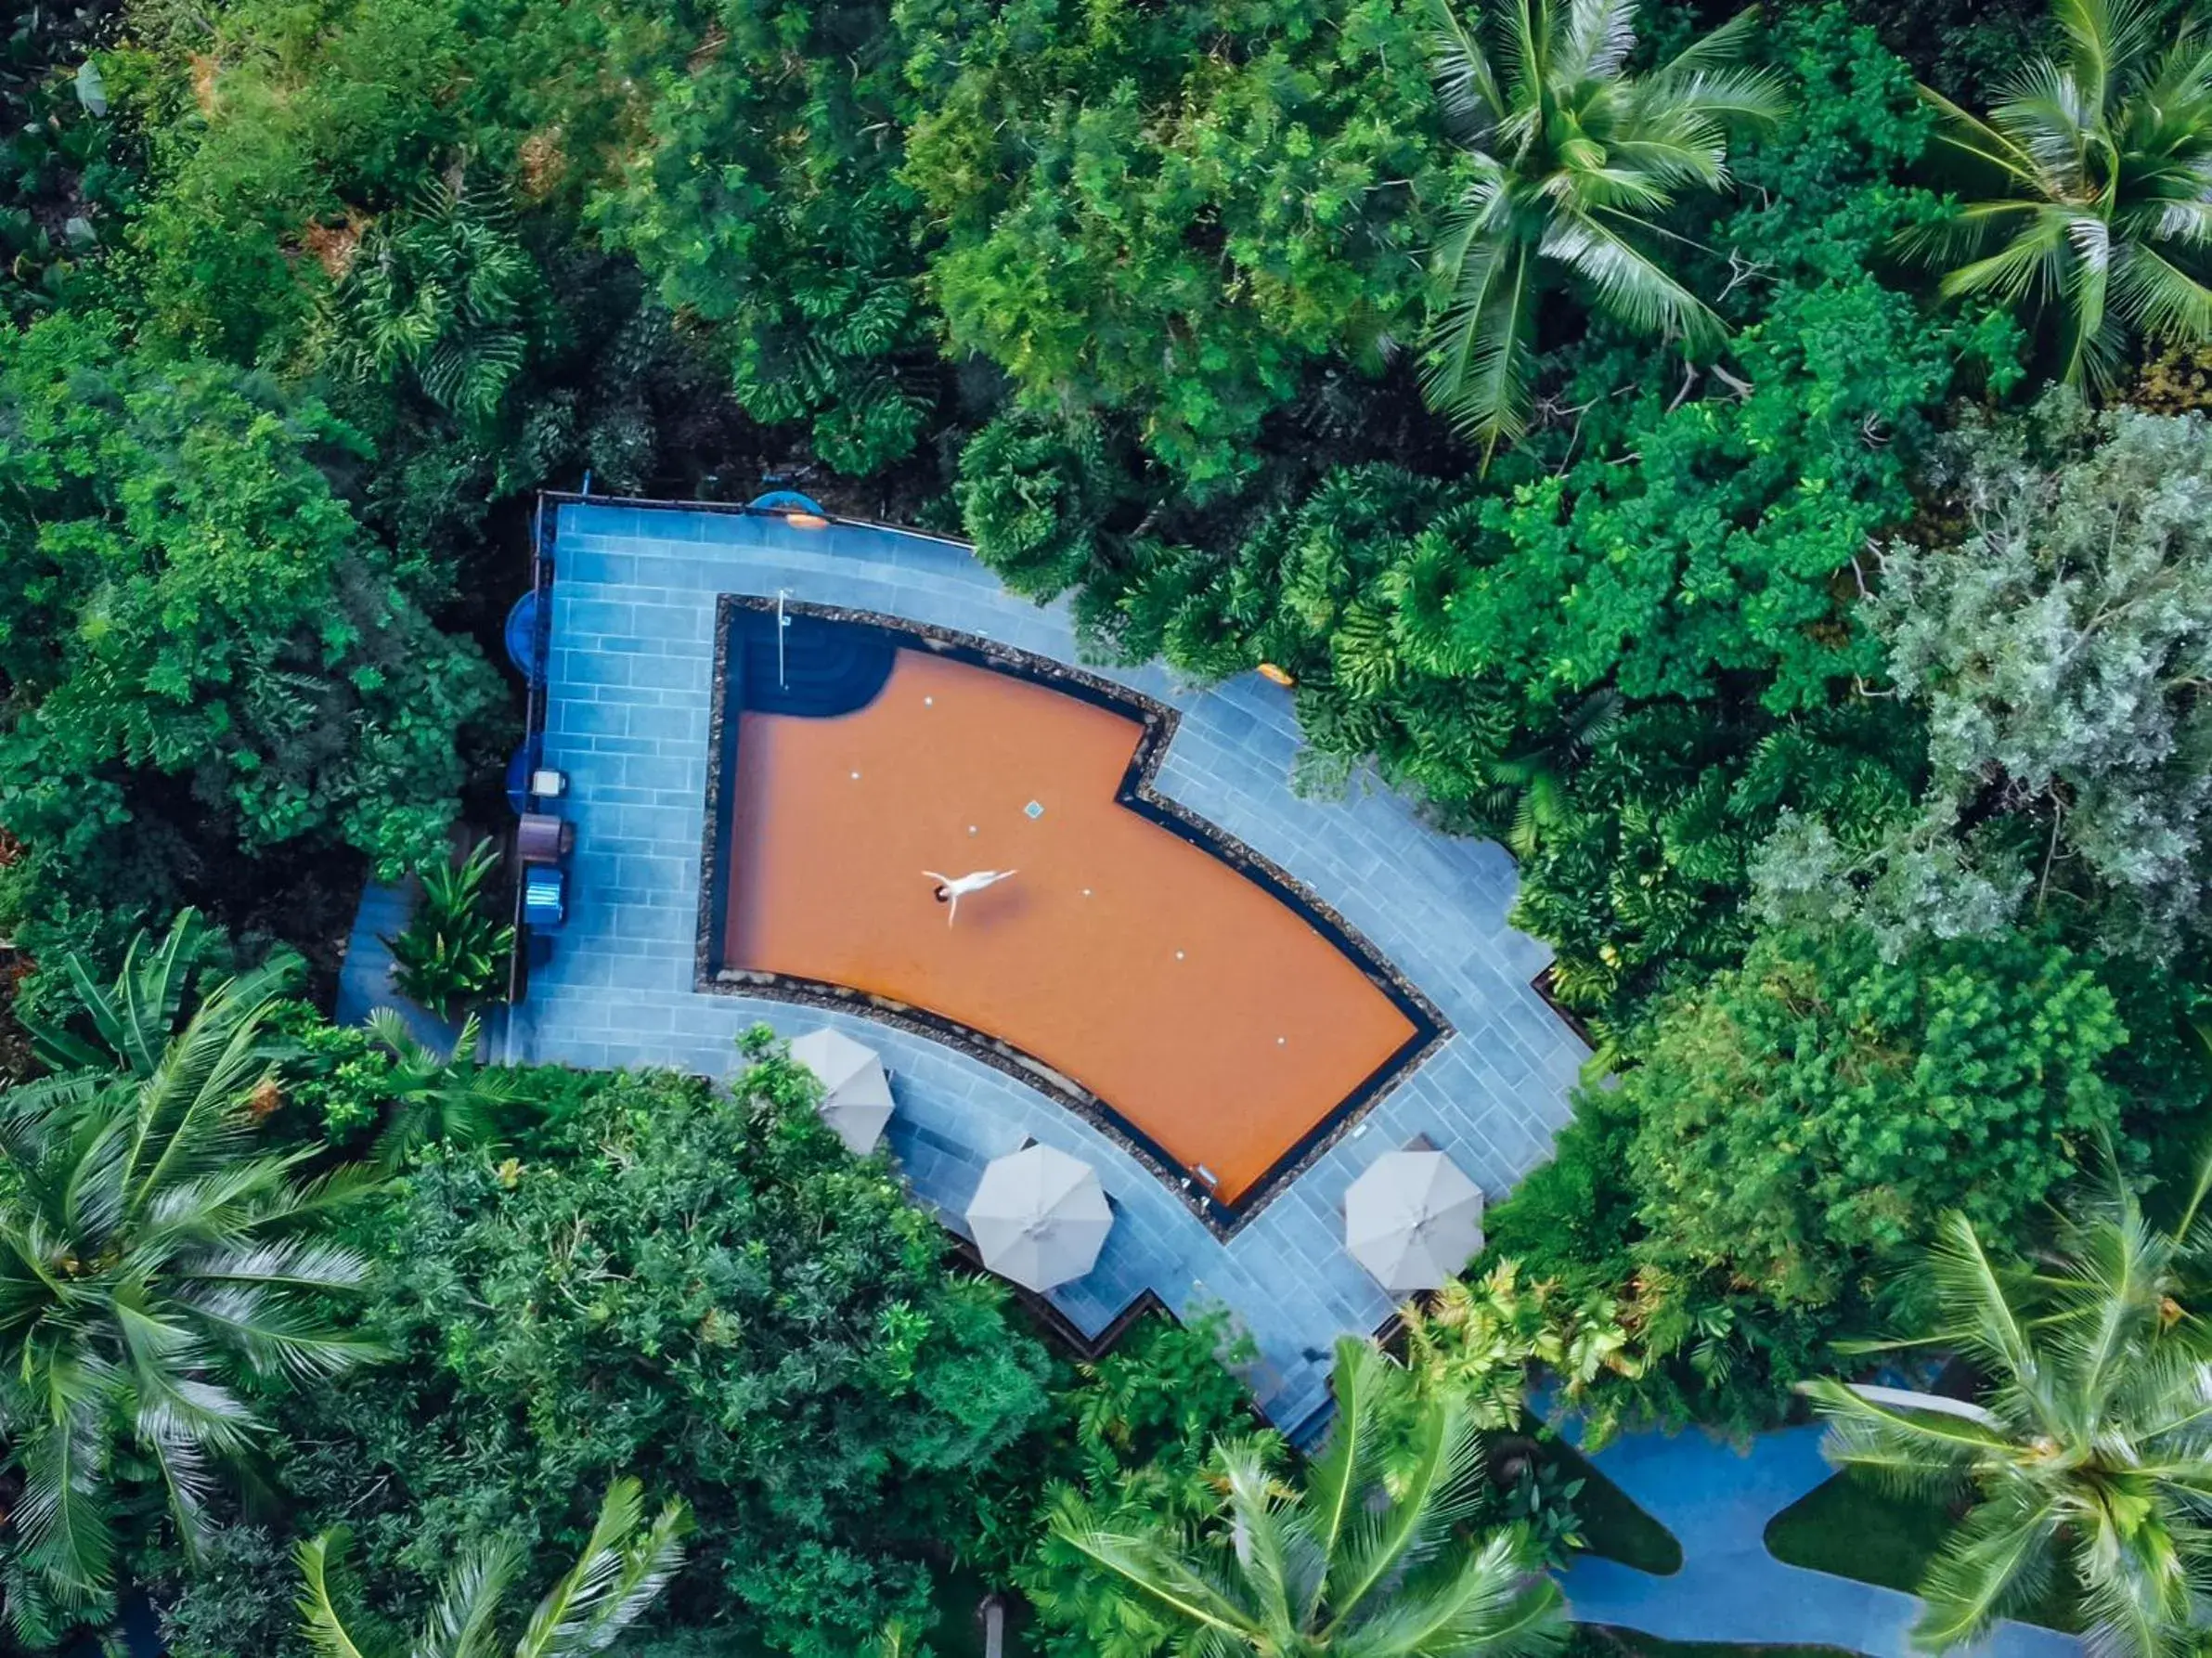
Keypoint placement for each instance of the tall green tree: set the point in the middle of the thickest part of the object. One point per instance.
(2100, 216)
(155, 1262)
(767, 204)
(1368, 1558)
(1172, 213)
(2086, 1449)
(1814, 1112)
(1574, 159)
(700, 1288)
(617, 1576)
(2062, 648)
(208, 659)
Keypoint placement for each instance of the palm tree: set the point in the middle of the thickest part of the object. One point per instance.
(2105, 161)
(617, 1578)
(1529, 790)
(132, 1021)
(2090, 1448)
(150, 1258)
(1573, 159)
(1366, 1560)
(437, 1096)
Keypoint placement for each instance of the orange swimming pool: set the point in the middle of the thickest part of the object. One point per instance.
(1205, 1008)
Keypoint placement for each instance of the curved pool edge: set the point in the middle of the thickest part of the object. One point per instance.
(630, 690)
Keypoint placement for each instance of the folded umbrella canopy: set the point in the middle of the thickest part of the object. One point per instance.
(1412, 1220)
(1039, 1217)
(856, 1094)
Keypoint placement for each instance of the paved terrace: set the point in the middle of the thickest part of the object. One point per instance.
(629, 696)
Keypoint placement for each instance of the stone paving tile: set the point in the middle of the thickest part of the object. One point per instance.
(628, 702)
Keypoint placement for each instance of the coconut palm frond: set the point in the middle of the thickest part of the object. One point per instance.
(2101, 162)
(1577, 158)
(1364, 1560)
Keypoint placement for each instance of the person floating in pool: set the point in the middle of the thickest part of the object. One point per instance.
(951, 891)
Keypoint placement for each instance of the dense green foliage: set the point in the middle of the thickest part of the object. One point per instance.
(615, 1582)
(767, 201)
(1172, 212)
(1130, 1445)
(156, 1267)
(205, 655)
(2099, 153)
(1838, 697)
(1574, 157)
(789, 1356)
(2083, 1453)
(2057, 641)
(1361, 1560)
(1818, 1107)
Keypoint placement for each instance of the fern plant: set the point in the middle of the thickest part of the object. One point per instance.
(453, 950)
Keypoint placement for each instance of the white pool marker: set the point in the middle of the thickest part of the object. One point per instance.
(856, 777)
(1086, 892)
(1282, 1042)
(1179, 955)
(971, 828)
(929, 702)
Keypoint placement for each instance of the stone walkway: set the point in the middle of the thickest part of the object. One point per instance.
(1717, 1502)
(629, 698)
(365, 980)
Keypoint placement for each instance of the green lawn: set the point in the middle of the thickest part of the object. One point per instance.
(1613, 1526)
(1848, 1528)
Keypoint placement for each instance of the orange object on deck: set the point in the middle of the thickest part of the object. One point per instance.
(1199, 1007)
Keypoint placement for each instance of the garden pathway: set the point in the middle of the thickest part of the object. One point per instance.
(630, 690)
(365, 981)
(1717, 1501)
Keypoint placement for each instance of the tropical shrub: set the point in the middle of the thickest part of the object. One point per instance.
(766, 202)
(1364, 1557)
(381, 200)
(277, 131)
(1036, 497)
(700, 1289)
(435, 1097)
(1483, 1340)
(453, 950)
(1812, 1114)
(1131, 1440)
(437, 295)
(1172, 212)
(207, 659)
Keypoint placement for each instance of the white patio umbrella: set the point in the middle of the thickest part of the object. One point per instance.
(1412, 1220)
(1039, 1217)
(856, 1094)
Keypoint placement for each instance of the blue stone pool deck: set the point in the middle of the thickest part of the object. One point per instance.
(629, 698)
